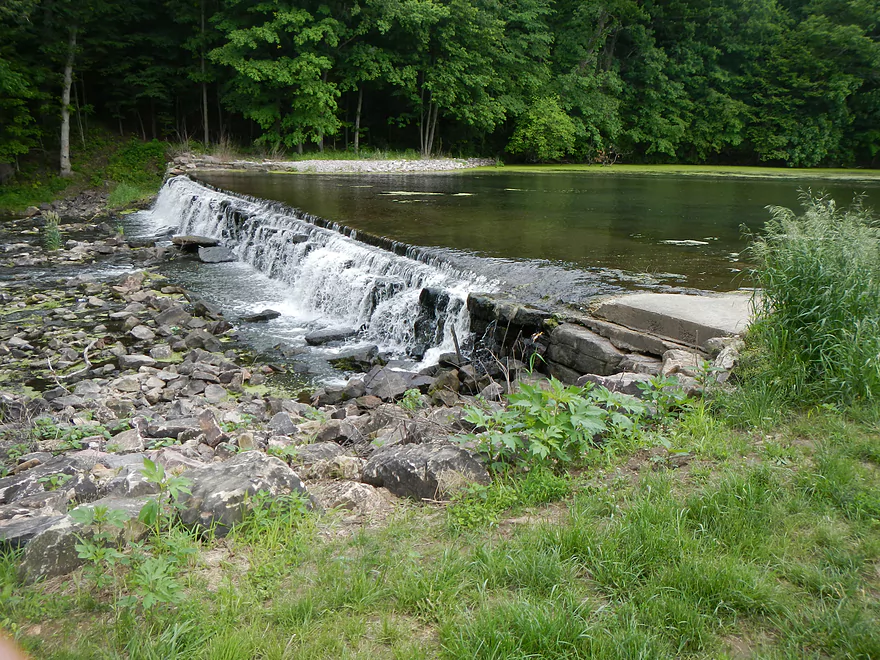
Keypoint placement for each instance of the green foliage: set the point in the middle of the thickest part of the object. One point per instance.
(552, 424)
(125, 194)
(817, 335)
(544, 133)
(412, 400)
(138, 163)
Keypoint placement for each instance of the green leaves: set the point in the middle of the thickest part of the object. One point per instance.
(556, 424)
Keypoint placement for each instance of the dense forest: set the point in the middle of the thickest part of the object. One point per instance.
(781, 82)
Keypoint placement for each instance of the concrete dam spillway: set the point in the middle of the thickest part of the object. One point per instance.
(334, 277)
(410, 303)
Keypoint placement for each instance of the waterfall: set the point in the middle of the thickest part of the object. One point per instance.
(335, 275)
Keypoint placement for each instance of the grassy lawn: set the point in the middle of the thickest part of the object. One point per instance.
(763, 544)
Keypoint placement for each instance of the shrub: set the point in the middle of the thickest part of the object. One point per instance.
(552, 424)
(816, 337)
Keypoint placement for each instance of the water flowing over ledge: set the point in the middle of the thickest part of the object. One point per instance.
(337, 277)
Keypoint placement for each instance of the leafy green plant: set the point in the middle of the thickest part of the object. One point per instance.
(52, 232)
(17, 450)
(817, 333)
(54, 481)
(412, 400)
(98, 548)
(667, 397)
(552, 424)
(157, 512)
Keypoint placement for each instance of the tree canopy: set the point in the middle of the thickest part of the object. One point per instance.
(780, 82)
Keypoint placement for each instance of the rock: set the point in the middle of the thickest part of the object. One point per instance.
(214, 435)
(246, 441)
(88, 389)
(361, 499)
(175, 315)
(265, 315)
(625, 383)
(215, 393)
(583, 351)
(216, 255)
(724, 363)
(389, 384)
(446, 380)
(338, 467)
(492, 392)
(31, 211)
(328, 396)
(53, 552)
(338, 431)
(171, 428)
(131, 482)
(135, 361)
(17, 533)
(282, 424)
(354, 389)
(318, 451)
(127, 442)
(127, 384)
(191, 243)
(319, 337)
(143, 333)
(219, 492)
(427, 471)
(203, 339)
(356, 359)
(640, 364)
(681, 362)
(67, 471)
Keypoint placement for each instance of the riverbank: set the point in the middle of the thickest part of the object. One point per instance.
(722, 171)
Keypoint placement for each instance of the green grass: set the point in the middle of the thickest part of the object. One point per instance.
(772, 552)
(125, 194)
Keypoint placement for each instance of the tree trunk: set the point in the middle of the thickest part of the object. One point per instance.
(204, 82)
(79, 121)
(65, 104)
(357, 121)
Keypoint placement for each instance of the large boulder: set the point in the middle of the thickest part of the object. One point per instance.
(423, 472)
(53, 552)
(220, 492)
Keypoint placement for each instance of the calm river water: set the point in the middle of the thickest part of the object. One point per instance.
(654, 231)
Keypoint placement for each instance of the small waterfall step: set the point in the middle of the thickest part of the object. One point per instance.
(336, 279)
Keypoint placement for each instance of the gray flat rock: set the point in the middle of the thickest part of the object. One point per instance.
(690, 320)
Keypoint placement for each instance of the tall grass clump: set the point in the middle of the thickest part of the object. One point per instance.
(816, 337)
(52, 231)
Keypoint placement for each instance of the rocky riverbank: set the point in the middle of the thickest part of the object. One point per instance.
(107, 368)
(192, 163)
(99, 373)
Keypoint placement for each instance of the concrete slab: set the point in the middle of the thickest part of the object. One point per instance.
(689, 320)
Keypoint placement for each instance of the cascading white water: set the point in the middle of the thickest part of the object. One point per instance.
(333, 278)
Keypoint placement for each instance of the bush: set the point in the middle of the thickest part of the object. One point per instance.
(816, 337)
(138, 162)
